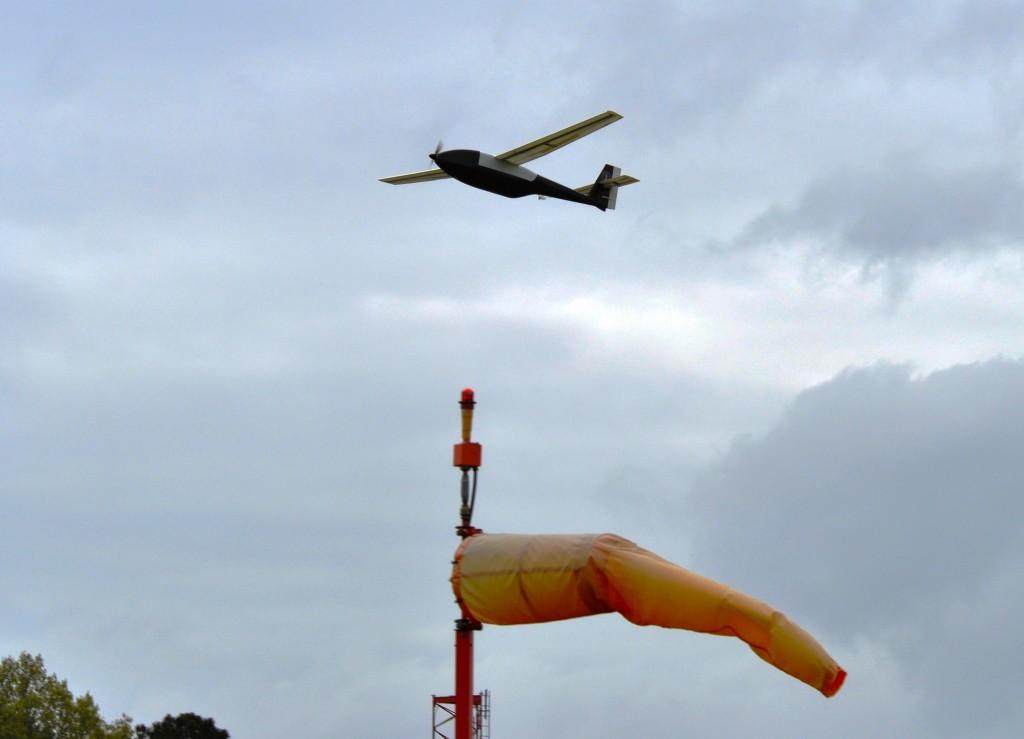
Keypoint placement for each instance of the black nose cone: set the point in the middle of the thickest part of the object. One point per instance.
(442, 159)
(458, 157)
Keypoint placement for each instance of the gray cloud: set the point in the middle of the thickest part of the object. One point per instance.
(906, 211)
(885, 508)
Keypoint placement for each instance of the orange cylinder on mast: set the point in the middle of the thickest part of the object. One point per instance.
(467, 454)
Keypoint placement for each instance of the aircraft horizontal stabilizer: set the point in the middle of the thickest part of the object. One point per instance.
(604, 191)
(621, 181)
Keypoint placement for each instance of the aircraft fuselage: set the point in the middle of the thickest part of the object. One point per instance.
(502, 178)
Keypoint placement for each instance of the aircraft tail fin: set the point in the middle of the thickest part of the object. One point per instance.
(606, 187)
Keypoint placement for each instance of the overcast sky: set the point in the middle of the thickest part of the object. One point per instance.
(792, 359)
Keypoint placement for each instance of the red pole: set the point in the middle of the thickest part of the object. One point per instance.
(467, 456)
(463, 681)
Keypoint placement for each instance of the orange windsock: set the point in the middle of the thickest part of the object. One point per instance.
(519, 579)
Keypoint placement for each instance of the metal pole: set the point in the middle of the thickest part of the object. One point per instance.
(463, 681)
(467, 456)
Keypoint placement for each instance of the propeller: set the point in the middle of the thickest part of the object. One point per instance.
(437, 150)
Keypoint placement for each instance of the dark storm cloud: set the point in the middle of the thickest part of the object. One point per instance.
(885, 508)
(905, 211)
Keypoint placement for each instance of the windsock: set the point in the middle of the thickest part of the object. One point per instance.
(521, 579)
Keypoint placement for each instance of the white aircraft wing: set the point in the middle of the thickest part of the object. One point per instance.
(558, 139)
(423, 176)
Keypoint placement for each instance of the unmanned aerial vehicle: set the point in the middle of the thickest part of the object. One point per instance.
(504, 175)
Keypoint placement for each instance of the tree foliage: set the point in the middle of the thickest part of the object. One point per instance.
(182, 726)
(37, 705)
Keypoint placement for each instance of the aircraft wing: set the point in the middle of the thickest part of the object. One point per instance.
(558, 139)
(423, 176)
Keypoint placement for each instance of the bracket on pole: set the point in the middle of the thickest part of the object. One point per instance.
(468, 456)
